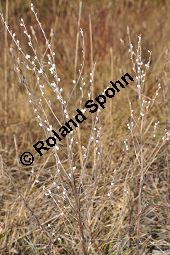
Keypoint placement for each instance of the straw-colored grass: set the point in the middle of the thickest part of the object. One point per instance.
(104, 189)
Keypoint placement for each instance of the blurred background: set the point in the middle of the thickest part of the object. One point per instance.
(104, 25)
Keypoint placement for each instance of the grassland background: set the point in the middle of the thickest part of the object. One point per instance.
(20, 233)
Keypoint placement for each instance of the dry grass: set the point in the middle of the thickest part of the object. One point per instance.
(105, 191)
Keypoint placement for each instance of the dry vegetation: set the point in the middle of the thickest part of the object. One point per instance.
(105, 191)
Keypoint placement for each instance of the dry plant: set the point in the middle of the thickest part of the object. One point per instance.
(77, 200)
